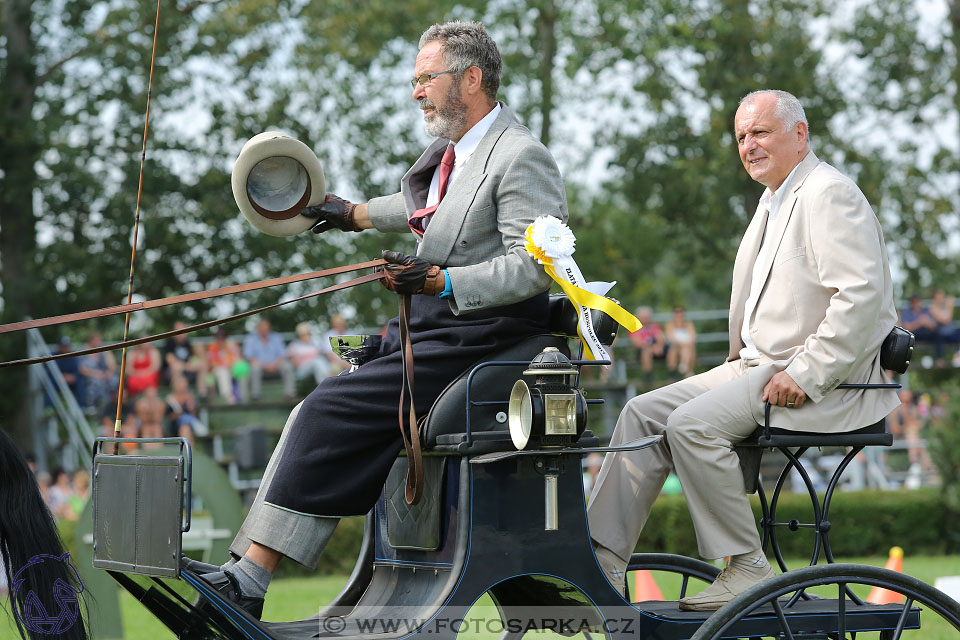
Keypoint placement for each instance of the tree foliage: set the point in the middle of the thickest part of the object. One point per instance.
(634, 98)
(903, 107)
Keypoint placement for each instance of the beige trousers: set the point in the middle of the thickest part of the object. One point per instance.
(701, 418)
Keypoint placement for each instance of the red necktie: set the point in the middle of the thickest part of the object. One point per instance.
(420, 218)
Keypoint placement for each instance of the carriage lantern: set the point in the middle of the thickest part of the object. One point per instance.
(551, 412)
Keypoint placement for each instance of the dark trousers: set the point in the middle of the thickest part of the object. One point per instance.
(347, 434)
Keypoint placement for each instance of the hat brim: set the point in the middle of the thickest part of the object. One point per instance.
(274, 178)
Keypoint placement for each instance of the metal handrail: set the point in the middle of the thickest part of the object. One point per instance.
(64, 402)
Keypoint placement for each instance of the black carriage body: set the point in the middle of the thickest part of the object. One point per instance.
(490, 538)
(482, 528)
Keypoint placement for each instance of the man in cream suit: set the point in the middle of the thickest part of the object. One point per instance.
(810, 306)
(466, 203)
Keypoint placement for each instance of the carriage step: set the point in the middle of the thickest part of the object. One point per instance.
(807, 617)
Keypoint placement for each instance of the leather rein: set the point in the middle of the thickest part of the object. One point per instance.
(409, 428)
(187, 297)
(408, 423)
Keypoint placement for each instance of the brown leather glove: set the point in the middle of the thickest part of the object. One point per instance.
(334, 213)
(410, 274)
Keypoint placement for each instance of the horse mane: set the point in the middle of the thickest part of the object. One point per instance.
(27, 530)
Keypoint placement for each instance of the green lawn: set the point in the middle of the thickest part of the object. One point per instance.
(296, 598)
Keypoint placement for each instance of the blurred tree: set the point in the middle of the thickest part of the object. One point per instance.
(18, 86)
(902, 77)
(635, 99)
(73, 79)
(669, 219)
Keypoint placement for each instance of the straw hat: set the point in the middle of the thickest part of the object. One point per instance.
(274, 178)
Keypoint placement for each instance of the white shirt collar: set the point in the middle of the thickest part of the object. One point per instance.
(471, 139)
(772, 200)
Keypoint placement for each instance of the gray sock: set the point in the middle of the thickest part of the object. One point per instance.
(229, 563)
(252, 578)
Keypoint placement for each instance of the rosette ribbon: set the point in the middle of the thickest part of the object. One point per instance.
(552, 243)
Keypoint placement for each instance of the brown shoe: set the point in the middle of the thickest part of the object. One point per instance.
(731, 582)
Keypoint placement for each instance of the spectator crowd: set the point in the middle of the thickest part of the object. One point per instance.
(230, 371)
(675, 343)
(194, 372)
(933, 324)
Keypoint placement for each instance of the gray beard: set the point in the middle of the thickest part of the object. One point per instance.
(449, 120)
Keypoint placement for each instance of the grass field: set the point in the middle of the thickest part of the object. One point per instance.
(297, 598)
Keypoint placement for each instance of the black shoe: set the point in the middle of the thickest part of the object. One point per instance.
(226, 585)
(198, 567)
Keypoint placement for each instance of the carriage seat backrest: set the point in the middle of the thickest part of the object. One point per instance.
(449, 412)
(564, 318)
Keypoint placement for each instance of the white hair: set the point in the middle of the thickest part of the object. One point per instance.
(788, 110)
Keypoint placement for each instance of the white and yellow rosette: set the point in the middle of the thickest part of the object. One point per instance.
(552, 243)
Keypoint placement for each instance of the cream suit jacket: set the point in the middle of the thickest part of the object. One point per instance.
(827, 302)
(477, 232)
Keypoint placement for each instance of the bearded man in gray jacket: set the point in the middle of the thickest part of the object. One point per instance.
(466, 202)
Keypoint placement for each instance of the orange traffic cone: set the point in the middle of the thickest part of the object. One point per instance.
(644, 587)
(879, 595)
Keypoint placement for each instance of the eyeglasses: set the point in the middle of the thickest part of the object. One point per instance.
(425, 78)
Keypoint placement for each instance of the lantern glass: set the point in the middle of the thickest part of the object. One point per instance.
(560, 414)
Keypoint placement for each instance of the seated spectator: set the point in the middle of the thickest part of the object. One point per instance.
(81, 493)
(70, 369)
(941, 308)
(649, 342)
(338, 327)
(181, 358)
(917, 318)
(99, 371)
(591, 467)
(222, 356)
(265, 352)
(58, 496)
(129, 428)
(906, 423)
(144, 371)
(44, 481)
(306, 355)
(150, 410)
(182, 411)
(681, 344)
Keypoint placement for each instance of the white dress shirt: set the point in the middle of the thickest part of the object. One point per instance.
(769, 201)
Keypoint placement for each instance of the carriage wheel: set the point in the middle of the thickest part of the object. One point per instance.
(668, 563)
(835, 614)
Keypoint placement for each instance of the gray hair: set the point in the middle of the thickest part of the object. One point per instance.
(465, 45)
(789, 110)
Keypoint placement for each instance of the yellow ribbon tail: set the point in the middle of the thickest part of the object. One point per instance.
(591, 300)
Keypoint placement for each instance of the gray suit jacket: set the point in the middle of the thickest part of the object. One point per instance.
(477, 231)
(827, 302)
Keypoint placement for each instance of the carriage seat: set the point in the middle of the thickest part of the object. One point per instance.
(873, 435)
(751, 449)
(895, 355)
(492, 384)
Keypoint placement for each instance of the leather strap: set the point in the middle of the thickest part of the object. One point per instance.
(408, 427)
(434, 282)
(187, 297)
(370, 277)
